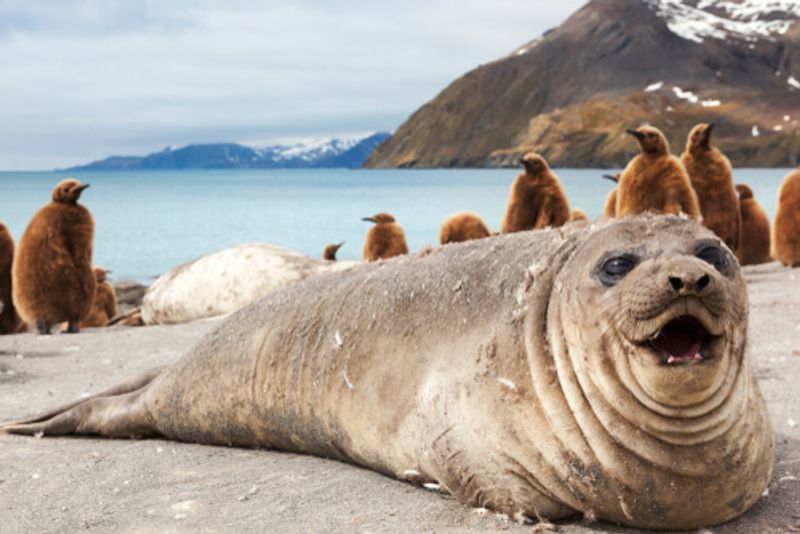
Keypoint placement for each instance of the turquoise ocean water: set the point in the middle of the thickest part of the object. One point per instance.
(149, 222)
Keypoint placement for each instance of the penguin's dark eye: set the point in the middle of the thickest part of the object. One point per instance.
(615, 269)
(714, 256)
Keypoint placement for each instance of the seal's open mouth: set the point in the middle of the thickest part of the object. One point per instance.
(683, 340)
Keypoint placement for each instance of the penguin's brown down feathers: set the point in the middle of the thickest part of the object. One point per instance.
(104, 303)
(9, 320)
(384, 240)
(655, 181)
(536, 199)
(786, 230)
(330, 251)
(712, 179)
(463, 226)
(610, 205)
(52, 273)
(754, 234)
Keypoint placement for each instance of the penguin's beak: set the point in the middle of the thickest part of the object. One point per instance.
(612, 177)
(338, 246)
(637, 135)
(369, 219)
(521, 161)
(81, 187)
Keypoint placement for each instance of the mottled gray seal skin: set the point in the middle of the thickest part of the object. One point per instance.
(595, 369)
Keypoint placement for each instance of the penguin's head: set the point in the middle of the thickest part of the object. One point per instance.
(100, 274)
(651, 140)
(380, 218)
(700, 137)
(744, 191)
(533, 163)
(330, 251)
(68, 191)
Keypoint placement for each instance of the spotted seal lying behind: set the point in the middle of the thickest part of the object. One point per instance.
(596, 369)
(226, 280)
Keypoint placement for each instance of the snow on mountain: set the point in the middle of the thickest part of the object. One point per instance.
(749, 20)
(309, 150)
(319, 152)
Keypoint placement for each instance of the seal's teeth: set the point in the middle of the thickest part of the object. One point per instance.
(671, 359)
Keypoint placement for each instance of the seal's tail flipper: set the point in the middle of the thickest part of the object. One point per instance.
(108, 413)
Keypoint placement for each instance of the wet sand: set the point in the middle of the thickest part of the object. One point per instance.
(100, 485)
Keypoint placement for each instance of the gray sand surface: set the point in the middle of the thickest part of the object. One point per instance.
(75, 484)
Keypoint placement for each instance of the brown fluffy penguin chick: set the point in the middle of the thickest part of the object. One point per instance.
(578, 215)
(754, 235)
(712, 179)
(52, 273)
(9, 320)
(104, 303)
(786, 230)
(610, 206)
(463, 226)
(384, 240)
(655, 181)
(330, 251)
(536, 199)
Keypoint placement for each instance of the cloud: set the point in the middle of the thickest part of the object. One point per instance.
(83, 79)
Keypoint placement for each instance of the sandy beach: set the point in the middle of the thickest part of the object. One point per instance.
(100, 485)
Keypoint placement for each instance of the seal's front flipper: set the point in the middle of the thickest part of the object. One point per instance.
(116, 412)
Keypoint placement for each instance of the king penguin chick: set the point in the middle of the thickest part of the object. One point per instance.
(536, 199)
(754, 235)
(610, 205)
(384, 240)
(52, 272)
(655, 181)
(104, 303)
(712, 179)
(330, 251)
(786, 230)
(462, 226)
(9, 320)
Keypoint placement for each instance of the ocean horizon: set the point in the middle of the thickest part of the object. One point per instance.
(148, 222)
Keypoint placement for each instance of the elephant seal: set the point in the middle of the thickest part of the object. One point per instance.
(52, 274)
(226, 280)
(711, 175)
(655, 181)
(536, 199)
(590, 368)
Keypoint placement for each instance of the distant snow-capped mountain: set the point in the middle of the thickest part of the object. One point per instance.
(314, 153)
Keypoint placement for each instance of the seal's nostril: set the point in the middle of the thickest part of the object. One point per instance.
(703, 282)
(676, 283)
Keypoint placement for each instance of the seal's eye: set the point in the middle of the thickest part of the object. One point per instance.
(714, 256)
(615, 269)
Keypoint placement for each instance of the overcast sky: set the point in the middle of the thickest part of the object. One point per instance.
(84, 79)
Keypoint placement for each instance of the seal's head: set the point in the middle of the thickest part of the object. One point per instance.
(668, 304)
(744, 191)
(651, 140)
(699, 139)
(380, 218)
(533, 163)
(68, 191)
